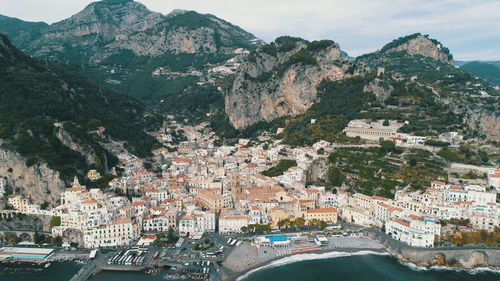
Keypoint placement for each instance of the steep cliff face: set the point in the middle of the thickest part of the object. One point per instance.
(418, 44)
(102, 22)
(412, 78)
(280, 79)
(38, 181)
(486, 122)
(109, 27)
(185, 32)
(69, 141)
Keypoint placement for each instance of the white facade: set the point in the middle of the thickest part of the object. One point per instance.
(3, 186)
(118, 233)
(405, 231)
(230, 224)
(197, 223)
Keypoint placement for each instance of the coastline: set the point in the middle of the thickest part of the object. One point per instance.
(229, 274)
(247, 258)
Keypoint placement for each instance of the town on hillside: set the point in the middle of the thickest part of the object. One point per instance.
(197, 187)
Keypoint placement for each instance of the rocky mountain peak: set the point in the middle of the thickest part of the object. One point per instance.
(281, 79)
(418, 44)
(106, 19)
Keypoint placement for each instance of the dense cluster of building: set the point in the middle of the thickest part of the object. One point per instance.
(202, 188)
(412, 217)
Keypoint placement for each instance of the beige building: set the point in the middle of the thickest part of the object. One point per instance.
(372, 130)
(19, 203)
(230, 223)
(277, 214)
(119, 233)
(213, 201)
(328, 215)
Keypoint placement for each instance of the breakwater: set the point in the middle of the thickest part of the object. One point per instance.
(462, 257)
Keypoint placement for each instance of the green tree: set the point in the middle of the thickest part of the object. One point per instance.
(449, 155)
(335, 176)
(11, 238)
(44, 205)
(38, 238)
(171, 235)
(57, 241)
(299, 222)
(55, 221)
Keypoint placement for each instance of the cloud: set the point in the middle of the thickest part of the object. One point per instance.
(359, 26)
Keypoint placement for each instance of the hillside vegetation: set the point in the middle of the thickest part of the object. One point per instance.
(47, 107)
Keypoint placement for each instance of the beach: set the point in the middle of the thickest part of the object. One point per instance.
(247, 257)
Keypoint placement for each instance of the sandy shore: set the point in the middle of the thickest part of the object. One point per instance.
(248, 257)
(231, 275)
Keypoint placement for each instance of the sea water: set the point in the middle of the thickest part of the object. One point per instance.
(359, 266)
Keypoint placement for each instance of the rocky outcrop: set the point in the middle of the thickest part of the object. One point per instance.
(418, 44)
(486, 122)
(69, 141)
(176, 41)
(317, 170)
(490, 125)
(109, 27)
(38, 181)
(280, 84)
(380, 88)
(461, 257)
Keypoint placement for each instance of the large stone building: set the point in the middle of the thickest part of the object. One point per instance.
(119, 233)
(373, 130)
(328, 215)
(213, 201)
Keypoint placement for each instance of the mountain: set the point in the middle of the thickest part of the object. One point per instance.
(280, 79)
(418, 44)
(495, 63)
(487, 71)
(314, 96)
(145, 54)
(54, 125)
(23, 32)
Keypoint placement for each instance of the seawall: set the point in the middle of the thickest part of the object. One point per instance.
(462, 257)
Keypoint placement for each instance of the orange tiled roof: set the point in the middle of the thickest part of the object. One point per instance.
(401, 222)
(322, 210)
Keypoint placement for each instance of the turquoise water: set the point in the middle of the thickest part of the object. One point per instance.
(359, 268)
(280, 238)
(276, 238)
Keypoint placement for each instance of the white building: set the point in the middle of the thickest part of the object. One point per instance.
(231, 223)
(160, 223)
(197, 223)
(494, 178)
(3, 186)
(372, 130)
(119, 233)
(407, 232)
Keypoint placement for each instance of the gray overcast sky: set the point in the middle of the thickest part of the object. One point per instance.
(470, 28)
